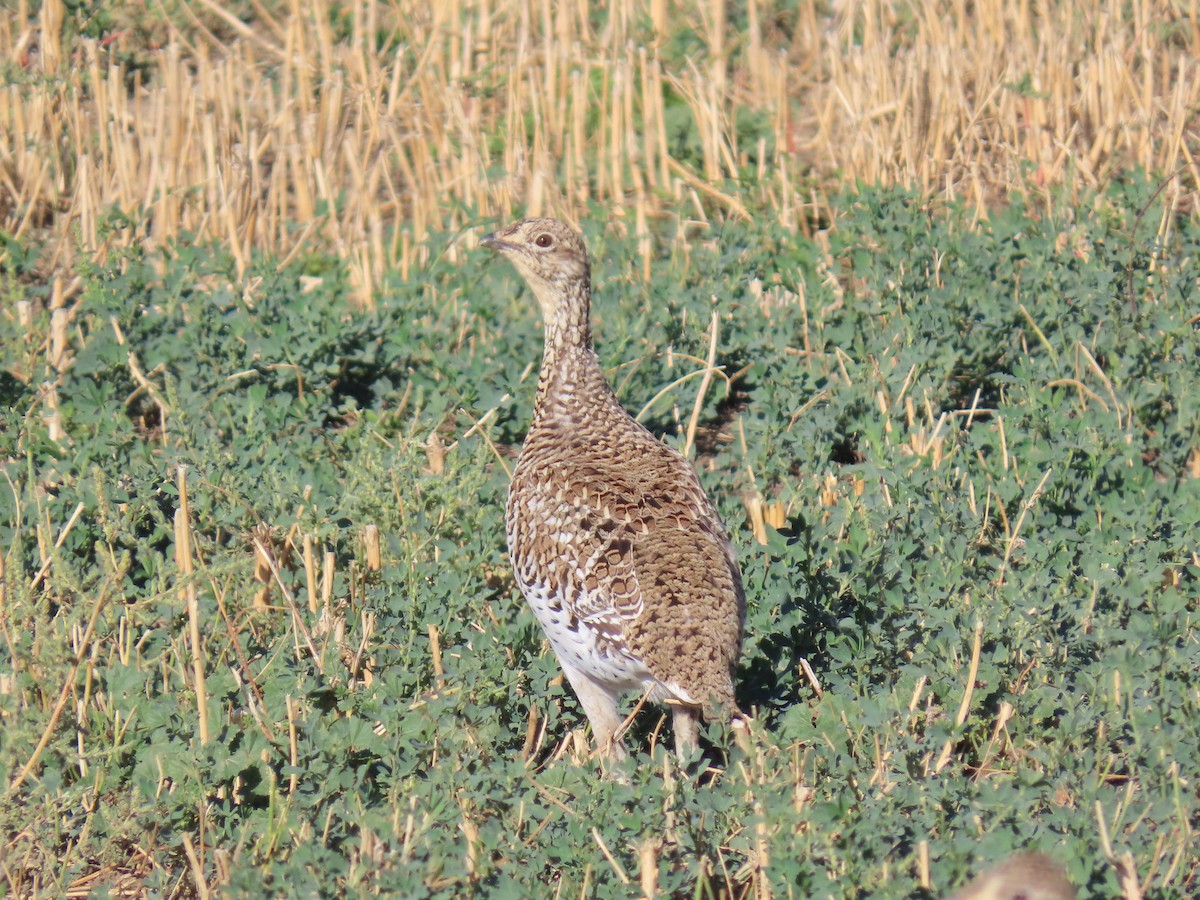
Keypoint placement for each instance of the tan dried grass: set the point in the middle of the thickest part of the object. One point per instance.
(284, 136)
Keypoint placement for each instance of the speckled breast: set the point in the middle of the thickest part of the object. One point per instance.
(554, 586)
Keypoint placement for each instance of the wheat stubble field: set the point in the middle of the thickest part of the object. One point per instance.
(916, 285)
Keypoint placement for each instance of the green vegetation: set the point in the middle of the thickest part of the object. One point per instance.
(983, 444)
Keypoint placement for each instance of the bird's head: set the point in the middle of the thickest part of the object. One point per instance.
(550, 256)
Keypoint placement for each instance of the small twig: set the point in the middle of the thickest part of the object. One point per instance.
(1041, 337)
(1137, 220)
(435, 652)
(183, 559)
(1105, 844)
(1100, 373)
(237, 25)
(808, 404)
(648, 860)
(734, 205)
(371, 545)
(63, 696)
(368, 628)
(480, 423)
(1012, 538)
(612, 860)
(531, 733)
(310, 574)
(812, 677)
(617, 735)
(143, 381)
(1079, 386)
(293, 745)
(709, 367)
(243, 675)
(1125, 866)
(479, 426)
(297, 622)
(196, 866)
(62, 536)
(965, 706)
(1002, 717)
(698, 373)
(840, 356)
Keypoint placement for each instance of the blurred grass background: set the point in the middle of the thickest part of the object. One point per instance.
(938, 262)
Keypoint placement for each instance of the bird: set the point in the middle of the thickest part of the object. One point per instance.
(1023, 876)
(613, 542)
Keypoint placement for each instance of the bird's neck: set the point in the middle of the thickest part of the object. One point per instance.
(571, 375)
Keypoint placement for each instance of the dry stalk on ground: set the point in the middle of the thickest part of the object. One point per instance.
(287, 134)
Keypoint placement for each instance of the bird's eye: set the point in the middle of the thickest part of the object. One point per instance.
(544, 240)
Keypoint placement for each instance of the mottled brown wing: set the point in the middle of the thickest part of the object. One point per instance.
(654, 571)
(582, 548)
(691, 633)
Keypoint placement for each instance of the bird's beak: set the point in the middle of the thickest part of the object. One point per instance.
(492, 242)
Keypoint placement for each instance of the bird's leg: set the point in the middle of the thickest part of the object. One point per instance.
(686, 721)
(600, 704)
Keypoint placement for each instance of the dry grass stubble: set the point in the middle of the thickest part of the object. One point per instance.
(285, 134)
